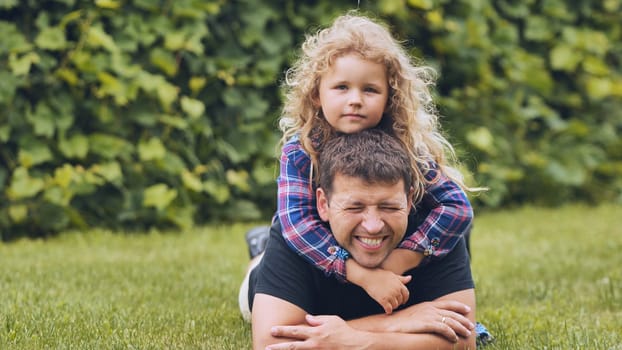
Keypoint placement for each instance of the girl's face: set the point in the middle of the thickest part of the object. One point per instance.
(353, 93)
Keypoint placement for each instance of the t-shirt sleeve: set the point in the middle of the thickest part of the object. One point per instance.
(283, 274)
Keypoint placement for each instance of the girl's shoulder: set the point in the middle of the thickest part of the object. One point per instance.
(292, 149)
(292, 145)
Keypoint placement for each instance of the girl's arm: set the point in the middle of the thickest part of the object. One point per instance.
(449, 218)
(303, 229)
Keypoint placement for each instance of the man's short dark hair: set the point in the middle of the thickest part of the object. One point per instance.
(371, 155)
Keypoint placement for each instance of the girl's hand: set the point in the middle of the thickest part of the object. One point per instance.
(386, 288)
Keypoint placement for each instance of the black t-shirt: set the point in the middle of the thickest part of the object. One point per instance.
(282, 273)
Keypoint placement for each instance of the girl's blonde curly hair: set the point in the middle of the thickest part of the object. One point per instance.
(410, 115)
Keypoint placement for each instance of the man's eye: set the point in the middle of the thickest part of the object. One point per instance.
(354, 209)
(391, 209)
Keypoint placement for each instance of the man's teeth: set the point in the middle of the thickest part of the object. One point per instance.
(371, 241)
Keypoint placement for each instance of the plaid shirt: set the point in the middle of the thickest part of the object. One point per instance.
(450, 216)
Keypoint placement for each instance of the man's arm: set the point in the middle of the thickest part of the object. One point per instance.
(457, 308)
(269, 311)
(422, 326)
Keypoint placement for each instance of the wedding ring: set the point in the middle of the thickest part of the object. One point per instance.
(443, 319)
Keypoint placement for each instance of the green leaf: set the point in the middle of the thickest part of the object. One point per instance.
(110, 171)
(111, 86)
(52, 216)
(238, 179)
(538, 28)
(13, 41)
(482, 139)
(191, 181)
(18, 213)
(34, 153)
(596, 66)
(64, 175)
(243, 210)
(8, 4)
(5, 133)
(23, 186)
(598, 88)
(51, 38)
(68, 75)
(174, 121)
(108, 4)
(97, 37)
(77, 146)
(183, 217)
(421, 4)
(164, 60)
(158, 196)
(58, 196)
(42, 120)
(109, 146)
(219, 191)
(564, 57)
(194, 108)
(151, 149)
(196, 84)
(8, 86)
(21, 66)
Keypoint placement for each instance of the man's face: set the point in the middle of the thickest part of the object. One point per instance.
(368, 220)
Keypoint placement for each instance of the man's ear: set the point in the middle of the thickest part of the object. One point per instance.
(322, 203)
(409, 197)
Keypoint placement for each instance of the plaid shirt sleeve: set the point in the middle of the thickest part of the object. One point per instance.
(301, 225)
(450, 216)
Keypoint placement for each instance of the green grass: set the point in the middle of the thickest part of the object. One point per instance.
(546, 279)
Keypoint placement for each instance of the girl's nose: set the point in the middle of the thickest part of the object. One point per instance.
(355, 97)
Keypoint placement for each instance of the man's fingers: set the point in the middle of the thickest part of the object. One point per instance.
(288, 346)
(453, 305)
(443, 329)
(459, 319)
(457, 326)
(294, 332)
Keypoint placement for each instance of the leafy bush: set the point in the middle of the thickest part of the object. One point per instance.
(134, 114)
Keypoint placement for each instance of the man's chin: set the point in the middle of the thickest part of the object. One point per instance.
(369, 262)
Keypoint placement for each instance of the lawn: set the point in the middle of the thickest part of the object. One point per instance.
(546, 279)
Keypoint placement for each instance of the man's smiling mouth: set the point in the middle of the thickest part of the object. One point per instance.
(371, 242)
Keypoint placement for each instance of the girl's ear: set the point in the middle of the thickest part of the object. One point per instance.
(315, 99)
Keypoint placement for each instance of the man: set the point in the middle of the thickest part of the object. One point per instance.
(365, 194)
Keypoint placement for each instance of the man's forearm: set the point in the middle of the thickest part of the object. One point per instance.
(398, 341)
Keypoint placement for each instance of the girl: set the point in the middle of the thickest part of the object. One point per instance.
(349, 77)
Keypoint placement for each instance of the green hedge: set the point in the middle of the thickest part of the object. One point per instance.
(141, 113)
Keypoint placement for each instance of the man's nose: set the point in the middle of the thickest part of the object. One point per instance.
(372, 222)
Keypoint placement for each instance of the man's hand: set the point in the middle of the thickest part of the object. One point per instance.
(322, 332)
(444, 317)
(385, 287)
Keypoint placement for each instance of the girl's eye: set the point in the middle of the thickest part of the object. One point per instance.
(371, 90)
(341, 87)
